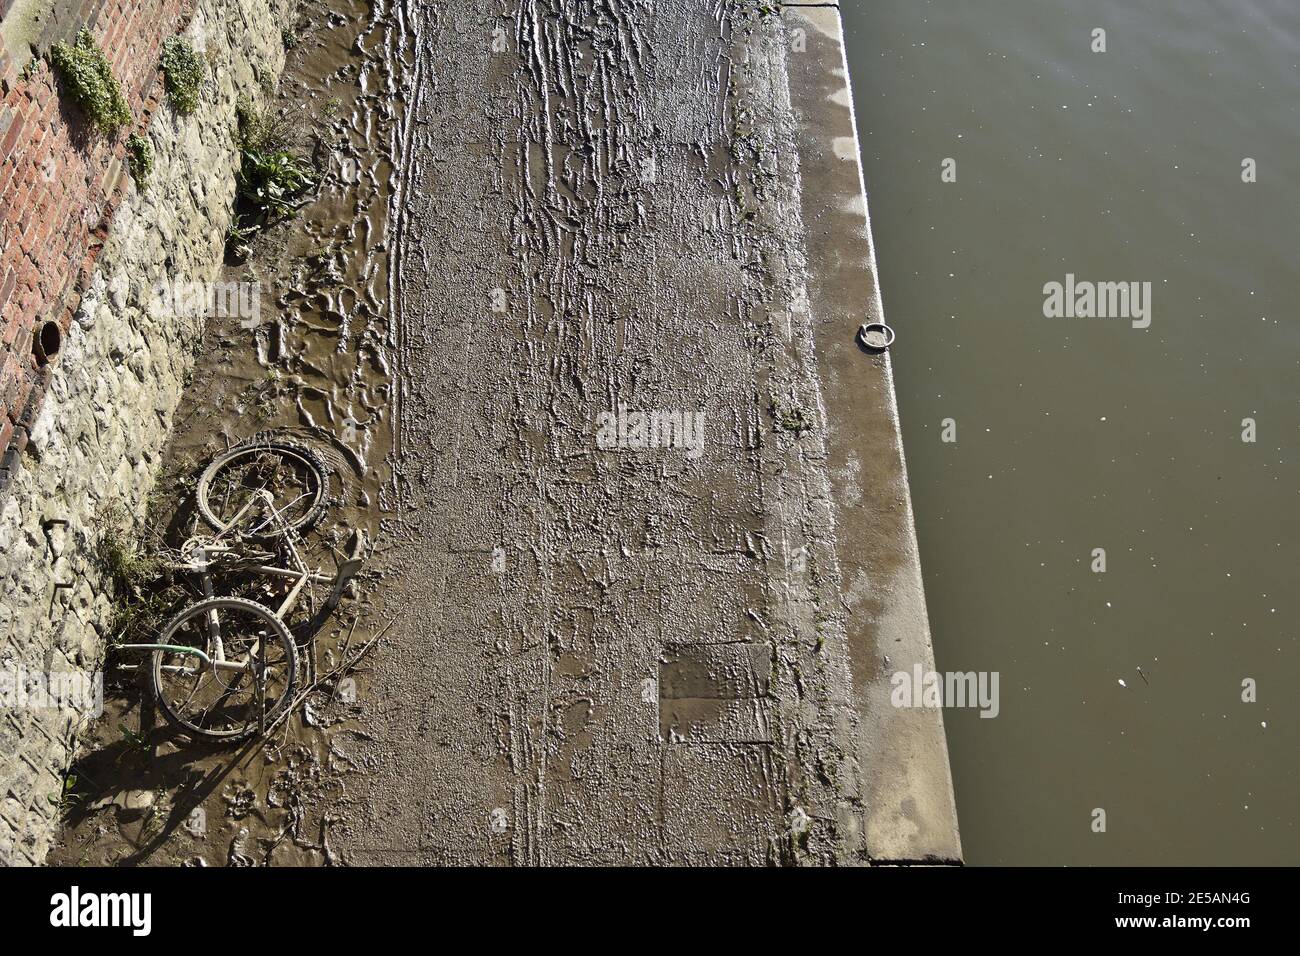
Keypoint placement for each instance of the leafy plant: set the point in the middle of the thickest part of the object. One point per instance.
(139, 152)
(132, 741)
(273, 183)
(88, 77)
(67, 797)
(274, 178)
(184, 70)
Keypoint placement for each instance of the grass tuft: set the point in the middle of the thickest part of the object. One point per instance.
(132, 573)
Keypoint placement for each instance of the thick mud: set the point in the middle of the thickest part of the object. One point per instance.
(316, 366)
(609, 652)
(561, 350)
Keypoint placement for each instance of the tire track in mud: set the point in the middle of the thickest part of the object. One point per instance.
(605, 655)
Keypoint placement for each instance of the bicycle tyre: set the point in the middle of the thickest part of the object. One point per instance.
(287, 448)
(201, 608)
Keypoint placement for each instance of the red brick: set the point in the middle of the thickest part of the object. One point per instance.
(34, 92)
(28, 240)
(8, 116)
(13, 323)
(11, 137)
(20, 438)
(70, 308)
(8, 286)
(11, 375)
(24, 393)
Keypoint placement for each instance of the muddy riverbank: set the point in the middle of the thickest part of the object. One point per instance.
(574, 319)
(312, 361)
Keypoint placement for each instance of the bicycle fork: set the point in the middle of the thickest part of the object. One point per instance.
(209, 591)
(256, 665)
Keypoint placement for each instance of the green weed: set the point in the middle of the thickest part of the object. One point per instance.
(88, 77)
(184, 70)
(139, 153)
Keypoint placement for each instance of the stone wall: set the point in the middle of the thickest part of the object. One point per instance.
(94, 445)
(60, 180)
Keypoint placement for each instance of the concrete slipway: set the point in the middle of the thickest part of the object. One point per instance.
(634, 650)
(641, 654)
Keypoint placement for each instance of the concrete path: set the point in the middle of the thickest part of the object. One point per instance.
(623, 641)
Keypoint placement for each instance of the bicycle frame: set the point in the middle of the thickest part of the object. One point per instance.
(210, 553)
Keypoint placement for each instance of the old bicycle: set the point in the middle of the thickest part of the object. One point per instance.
(226, 668)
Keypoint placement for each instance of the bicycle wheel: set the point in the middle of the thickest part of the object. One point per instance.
(225, 704)
(293, 473)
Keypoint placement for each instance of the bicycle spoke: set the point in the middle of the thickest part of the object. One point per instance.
(221, 702)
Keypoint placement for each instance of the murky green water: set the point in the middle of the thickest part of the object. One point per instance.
(1074, 434)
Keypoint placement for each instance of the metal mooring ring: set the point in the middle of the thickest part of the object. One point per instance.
(876, 336)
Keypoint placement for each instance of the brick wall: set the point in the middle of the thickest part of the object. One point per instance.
(60, 184)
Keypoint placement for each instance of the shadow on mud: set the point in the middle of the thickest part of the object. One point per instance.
(191, 775)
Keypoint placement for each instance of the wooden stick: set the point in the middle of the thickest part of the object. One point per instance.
(344, 666)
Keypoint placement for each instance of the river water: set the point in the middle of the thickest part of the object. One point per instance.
(1120, 690)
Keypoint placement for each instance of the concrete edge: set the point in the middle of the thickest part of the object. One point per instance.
(910, 813)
